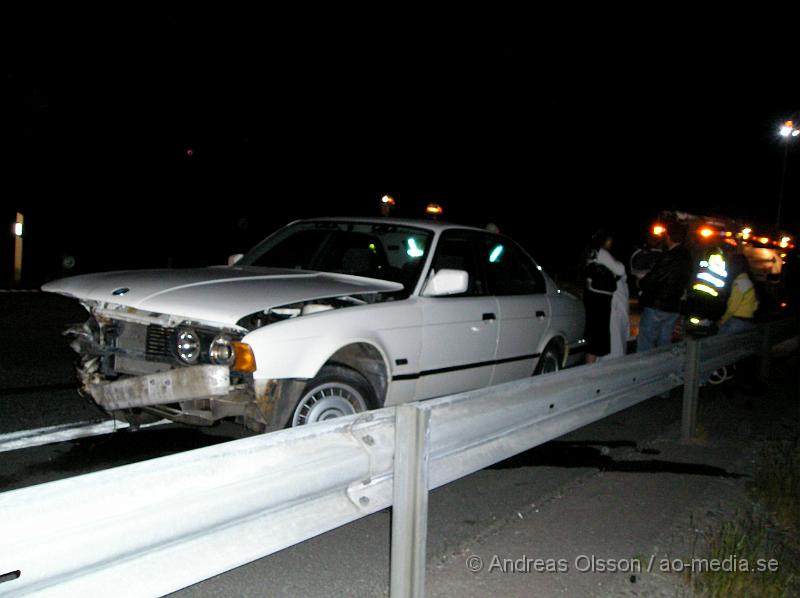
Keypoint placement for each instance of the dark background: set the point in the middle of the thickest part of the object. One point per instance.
(548, 125)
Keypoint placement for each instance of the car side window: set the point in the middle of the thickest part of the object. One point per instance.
(509, 270)
(455, 251)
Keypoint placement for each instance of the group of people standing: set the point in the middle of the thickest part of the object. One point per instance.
(661, 291)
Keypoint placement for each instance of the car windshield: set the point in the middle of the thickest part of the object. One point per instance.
(371, 249)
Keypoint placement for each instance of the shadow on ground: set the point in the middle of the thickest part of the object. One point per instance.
(96, 453)
(598, 455)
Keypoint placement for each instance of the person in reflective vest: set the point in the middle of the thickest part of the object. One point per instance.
(705, 300)
(743, 300)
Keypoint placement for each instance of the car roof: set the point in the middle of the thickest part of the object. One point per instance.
(431, 225)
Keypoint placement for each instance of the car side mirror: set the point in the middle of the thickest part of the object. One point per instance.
(233, 259)
(447, 282)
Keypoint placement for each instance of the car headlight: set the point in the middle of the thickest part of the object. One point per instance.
(221, 351)
(187, 345)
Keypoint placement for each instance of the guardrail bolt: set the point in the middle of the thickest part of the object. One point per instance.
(363, 501)
(368, 440)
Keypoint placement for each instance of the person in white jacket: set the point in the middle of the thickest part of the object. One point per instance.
(618, 321)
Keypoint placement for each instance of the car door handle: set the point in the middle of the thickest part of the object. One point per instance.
(540, 314)
(489, 316)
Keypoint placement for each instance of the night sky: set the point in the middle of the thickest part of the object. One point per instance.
(547, 125)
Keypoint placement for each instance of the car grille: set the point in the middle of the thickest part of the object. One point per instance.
(158, 342)
(151, 342)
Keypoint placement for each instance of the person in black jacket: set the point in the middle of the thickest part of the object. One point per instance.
(662, 289)
(601, 284)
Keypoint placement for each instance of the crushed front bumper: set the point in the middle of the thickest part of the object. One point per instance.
(173, 386)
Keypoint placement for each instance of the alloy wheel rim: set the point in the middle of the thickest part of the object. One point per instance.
(328, 401)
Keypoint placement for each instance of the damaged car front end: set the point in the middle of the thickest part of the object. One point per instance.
(171, 343)
(143, 366)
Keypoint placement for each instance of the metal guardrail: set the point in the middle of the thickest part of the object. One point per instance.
(51, 434)
(212, 509)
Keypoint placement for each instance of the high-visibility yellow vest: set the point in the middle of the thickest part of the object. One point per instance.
(743, 301)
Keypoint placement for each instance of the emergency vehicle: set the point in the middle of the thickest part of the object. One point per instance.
(711, 240)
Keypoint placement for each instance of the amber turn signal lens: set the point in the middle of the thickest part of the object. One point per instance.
(244, 361)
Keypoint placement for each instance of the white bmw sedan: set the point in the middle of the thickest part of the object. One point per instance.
(324, 318)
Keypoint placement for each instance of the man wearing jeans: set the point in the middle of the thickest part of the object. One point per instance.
(662, 289)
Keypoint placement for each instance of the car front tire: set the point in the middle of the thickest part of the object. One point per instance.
(335, 392)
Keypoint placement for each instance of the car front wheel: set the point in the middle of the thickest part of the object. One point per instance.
(335, 392)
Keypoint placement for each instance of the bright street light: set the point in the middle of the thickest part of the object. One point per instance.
(788, 130)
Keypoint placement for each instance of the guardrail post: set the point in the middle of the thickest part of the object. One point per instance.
(691, 389)
(766, 354)
(410, 505)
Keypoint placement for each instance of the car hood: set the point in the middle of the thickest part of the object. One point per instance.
(222, 295)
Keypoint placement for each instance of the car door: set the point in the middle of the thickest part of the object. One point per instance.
(459, 335)
(524, 309)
